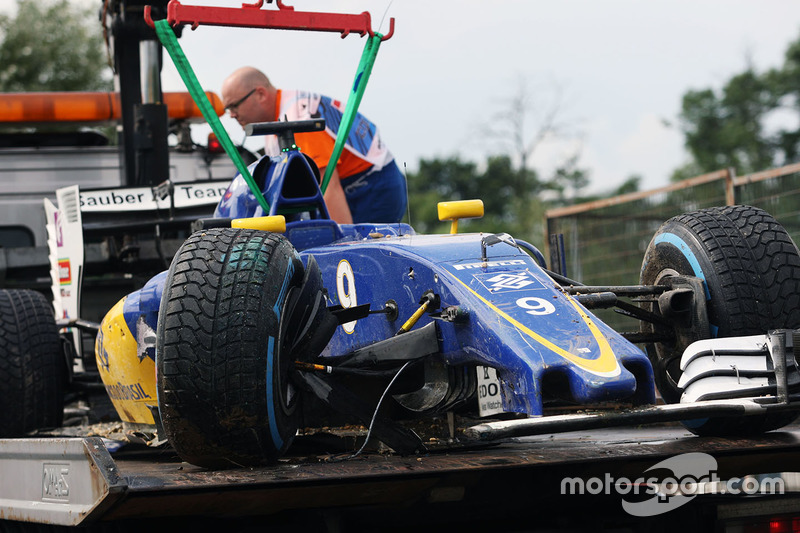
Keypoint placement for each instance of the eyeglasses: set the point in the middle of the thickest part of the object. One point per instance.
(232, 107)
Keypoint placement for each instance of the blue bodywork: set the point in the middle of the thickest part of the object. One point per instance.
(515, 317)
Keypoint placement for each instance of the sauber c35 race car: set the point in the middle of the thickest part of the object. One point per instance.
(269, 322)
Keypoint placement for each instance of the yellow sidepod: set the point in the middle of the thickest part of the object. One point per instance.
(130, 380)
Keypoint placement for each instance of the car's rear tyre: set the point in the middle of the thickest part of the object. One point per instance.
(225, 397)
(32, 365)
(751, 270)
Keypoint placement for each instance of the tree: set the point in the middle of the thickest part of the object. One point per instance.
(628, 186)
(510, 188)
(568, 180)
(52, 45)
(438, 180)
(736, 126)
(509, 205)
(786, 81)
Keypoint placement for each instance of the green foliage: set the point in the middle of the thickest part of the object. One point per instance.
(569, 178)
(736, 126)
(786, 82)
(510, 196)
(52, 45)
(628, 186)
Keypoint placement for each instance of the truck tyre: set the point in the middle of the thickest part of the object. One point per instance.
(751, 272)
(225, 397)
(32, 365)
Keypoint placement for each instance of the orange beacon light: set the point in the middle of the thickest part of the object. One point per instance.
(31, 108)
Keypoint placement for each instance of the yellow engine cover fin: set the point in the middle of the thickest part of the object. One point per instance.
(274, 223)
(459, 209)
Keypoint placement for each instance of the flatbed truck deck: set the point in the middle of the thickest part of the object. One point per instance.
(512, 485)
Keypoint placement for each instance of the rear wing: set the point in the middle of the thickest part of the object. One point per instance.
(65, 247)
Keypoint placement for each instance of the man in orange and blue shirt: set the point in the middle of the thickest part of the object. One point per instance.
(366, 186)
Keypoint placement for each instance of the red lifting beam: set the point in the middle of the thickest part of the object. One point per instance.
(284, 18)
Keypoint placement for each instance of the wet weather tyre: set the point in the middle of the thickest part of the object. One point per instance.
(32, 365)
(751, 270)
(225, 398)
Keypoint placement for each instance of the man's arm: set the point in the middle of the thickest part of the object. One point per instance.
(336, 201)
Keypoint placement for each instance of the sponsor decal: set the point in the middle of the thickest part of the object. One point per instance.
(507, 281)
(102, 353)
(511, 280)
(489, 400)
(64, 272)
(59, 227)
(130, 391)
(144, 198)
(468, 266)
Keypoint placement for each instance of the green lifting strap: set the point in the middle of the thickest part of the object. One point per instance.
(170, 42)
(353, 101)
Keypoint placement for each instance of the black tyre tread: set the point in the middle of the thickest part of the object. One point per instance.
(32, 367)
(754, 281)
(756, 263)
(212, 323)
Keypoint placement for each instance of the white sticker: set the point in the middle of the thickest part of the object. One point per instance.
(346, 289)
(143, 199)
(509, 281)
(468, 266)
(536, 306)
(489, 400)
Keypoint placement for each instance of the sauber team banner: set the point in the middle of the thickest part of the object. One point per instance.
(145, 199)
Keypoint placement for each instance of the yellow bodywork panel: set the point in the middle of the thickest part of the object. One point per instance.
(130, 380)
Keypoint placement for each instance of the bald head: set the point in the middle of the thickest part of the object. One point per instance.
(247, 78)
(249, 96)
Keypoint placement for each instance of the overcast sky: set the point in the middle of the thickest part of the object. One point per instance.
(617, 67)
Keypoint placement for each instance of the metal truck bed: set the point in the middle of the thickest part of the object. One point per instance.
(518, 481)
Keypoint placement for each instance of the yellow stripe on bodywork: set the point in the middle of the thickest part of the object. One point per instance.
(606, 365)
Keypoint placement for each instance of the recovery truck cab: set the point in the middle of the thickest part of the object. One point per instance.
(142, 176)
(134, 222)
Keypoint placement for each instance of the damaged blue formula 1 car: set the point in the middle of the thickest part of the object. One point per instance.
(268, 322)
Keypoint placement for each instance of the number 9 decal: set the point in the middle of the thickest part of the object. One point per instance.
(536, 306)
(346, 290)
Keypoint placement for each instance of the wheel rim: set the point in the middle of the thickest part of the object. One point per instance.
(287, 392)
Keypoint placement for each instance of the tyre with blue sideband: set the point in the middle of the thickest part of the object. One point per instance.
(750, 269)
(223, 368)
